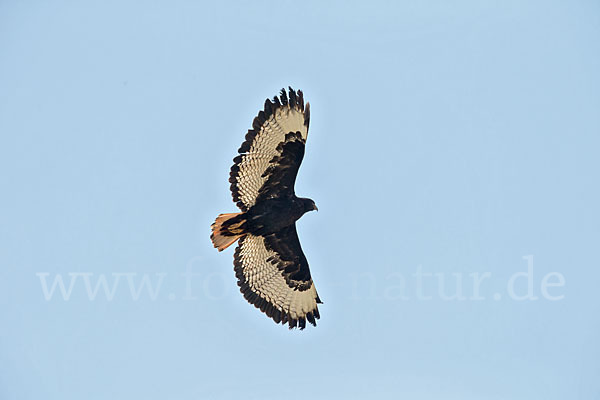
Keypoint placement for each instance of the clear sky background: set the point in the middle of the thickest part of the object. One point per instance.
(453, 138)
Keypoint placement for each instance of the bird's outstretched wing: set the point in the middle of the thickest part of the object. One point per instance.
(273, 275)
(269, 158)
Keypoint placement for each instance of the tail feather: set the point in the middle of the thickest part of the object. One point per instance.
(226, 230)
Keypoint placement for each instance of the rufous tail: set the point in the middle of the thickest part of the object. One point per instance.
(227, 229)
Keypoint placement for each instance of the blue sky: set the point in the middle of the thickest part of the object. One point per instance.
(453, 154)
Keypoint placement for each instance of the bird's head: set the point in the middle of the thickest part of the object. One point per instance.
(309, 205)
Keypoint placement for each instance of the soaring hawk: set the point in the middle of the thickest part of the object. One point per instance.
(269, 264)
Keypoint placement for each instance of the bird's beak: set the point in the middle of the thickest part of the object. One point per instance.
(316, 208)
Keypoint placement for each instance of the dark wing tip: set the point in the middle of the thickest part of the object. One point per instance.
(301, 100)
(310, 317)
(292, 97)
(283, 97)
(307, 115)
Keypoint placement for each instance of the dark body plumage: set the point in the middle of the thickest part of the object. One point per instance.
(272, 215)
(271, 268)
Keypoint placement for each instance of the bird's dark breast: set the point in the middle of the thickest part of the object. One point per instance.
(272, 215)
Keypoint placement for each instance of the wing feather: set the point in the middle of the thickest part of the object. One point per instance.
(284, 120)
(273, 275)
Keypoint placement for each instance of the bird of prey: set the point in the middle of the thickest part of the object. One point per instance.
(271, 269)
